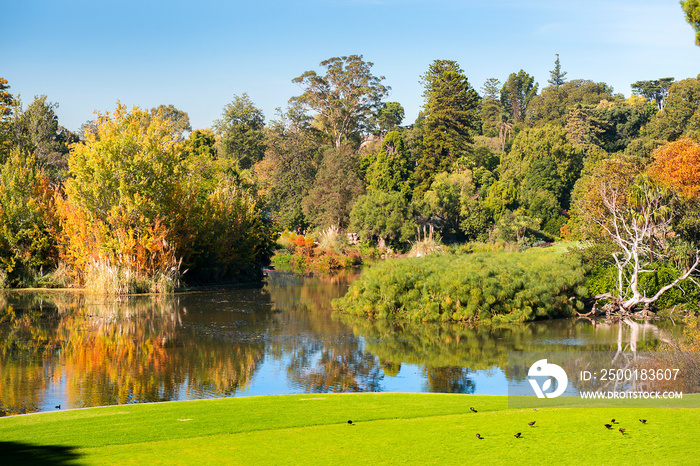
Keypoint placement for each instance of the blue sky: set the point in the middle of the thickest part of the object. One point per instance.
(86, 55)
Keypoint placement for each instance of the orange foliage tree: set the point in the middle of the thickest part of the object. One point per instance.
(677, 166)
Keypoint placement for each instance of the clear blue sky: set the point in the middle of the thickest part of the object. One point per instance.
(86, 55)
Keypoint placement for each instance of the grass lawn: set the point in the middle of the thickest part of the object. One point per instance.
(386, 429)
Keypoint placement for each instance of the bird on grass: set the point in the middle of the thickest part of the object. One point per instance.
(643, 421)
(613, 421)
(622, 431)
(608, 426)
(531, 423)
(350, 422)
(473, 409)
(479, 437)
(517, 435)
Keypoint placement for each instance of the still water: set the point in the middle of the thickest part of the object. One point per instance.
(77, 350)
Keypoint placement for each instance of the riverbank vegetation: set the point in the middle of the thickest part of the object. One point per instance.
(138, 201)
(482, 287)
(385, 428)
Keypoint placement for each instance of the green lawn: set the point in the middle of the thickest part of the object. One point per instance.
(314, 429)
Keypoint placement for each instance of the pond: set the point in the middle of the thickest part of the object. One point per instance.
(73, 350)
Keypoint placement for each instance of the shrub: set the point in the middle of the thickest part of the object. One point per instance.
(486, 287)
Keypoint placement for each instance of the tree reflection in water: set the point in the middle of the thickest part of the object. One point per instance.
(77, 350)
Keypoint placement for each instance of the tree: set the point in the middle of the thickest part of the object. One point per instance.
(554, 103)
(516, 94)
(556, 75)
(6, 107)
(535, 144)
(656, 90)
(391, 170)
(637, 220)
(681, 115)
(491, 113)
(27, 221)
(450, 108)
(345, 99)
(179, 120)
(201, 142)
(241, 128)
(384, 217)
(37, 132)
(288, 170)
(677, 166)
(389, 117)
(692, 15)
(335, 190)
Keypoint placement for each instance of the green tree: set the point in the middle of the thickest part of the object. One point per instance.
(516, 94)
(681, 115)
(287, 173)
(390, 170)
(241, 129)
(27, 227)
(385, 217)
(656, 90)
(491, 112)
(37, 132)
(450, 109)
(557, 77)
(346, 99)
(201, 142)
(547, 142)
(6, 108)
(691, 8)
(441, 204)
(389, 117)
(553, 104)
(335, 190)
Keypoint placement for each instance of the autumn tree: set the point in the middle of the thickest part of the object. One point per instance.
(450, 108)
(27, 221)
(677, 166)
(241, 128)
(345, 99)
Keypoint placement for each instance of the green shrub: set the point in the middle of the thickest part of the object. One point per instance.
(487, 287)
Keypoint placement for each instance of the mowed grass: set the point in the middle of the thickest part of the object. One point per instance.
(314, 429)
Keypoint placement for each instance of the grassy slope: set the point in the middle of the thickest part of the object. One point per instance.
(387, 429)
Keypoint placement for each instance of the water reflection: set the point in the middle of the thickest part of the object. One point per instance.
(75, 351)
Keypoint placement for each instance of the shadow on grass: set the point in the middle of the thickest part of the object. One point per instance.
(27, 453)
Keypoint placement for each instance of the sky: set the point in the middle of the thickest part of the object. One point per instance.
(197, 55)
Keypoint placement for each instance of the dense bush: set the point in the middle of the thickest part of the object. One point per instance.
(485, 287)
